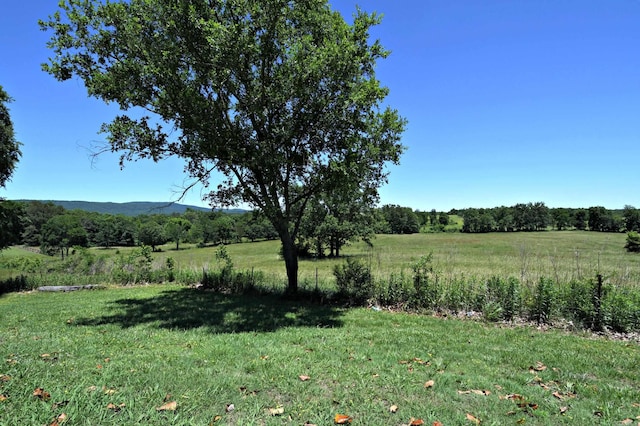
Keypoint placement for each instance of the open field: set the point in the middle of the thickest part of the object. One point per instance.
(140, 348)
(561, 256)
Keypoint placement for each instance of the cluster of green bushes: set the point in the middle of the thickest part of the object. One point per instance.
(588, 304)
(136, 266)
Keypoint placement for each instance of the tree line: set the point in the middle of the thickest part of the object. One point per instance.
(326, 227)
(538, 217)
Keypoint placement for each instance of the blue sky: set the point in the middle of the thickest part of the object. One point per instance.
(507, 102)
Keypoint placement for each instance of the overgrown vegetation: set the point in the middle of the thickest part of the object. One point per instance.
(547, 278)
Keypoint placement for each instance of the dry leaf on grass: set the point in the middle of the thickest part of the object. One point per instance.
(169, 406)
(429, 384)
(229, 408)
(538, 367)
(473, 419)
(303, 377)
(342, 419)
(416, 422)
(115, 408)
(393, 408)
(276, 411)
(41, 394)
(59, 420)
(474, 391)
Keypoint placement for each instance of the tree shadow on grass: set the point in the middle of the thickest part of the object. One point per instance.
(188, 308)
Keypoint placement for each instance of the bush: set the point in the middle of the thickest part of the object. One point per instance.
(20, 283)
(354, 281)
(633, 242)
(542, 303)
(621, 310)
(428, 293)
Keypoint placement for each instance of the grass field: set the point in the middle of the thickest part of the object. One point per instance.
(558, 255)
(561, 256)
(119, 356)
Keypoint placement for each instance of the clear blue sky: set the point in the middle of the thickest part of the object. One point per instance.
(507, 102)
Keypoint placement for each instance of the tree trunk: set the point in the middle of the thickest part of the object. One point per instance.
(290, 255)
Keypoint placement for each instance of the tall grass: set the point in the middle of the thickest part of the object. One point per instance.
(544, 276)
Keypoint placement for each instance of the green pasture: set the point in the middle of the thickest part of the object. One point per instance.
(561, 256)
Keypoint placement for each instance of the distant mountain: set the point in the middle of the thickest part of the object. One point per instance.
(131, 209)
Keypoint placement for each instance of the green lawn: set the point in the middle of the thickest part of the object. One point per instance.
(139, 348)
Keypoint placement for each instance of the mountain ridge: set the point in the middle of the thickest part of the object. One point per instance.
(131, 208)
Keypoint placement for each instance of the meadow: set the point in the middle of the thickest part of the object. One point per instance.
(563, 255)
(167, 353)
(585, 278)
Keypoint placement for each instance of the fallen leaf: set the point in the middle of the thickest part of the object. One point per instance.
(276, 411)
(310, 424)
(473, 419)
(264, 357)
(393, 408)
(42, 394)
(215, 419)
(564, 409)
(513, 396)
(4, 378)
(230, 407)
(538, 367)
(109, 391)
(169, 406)
(342, 419)
(59, 420)
(60, 404)
(627, 421)
(437, 423)
(3, 397)
(416, 422)
(521, 421)
(429, 384)
(304, 378)
(115, 408)
(475, 391)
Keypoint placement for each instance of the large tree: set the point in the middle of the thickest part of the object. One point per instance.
(10, 227)
(279, 96)
(9, 146)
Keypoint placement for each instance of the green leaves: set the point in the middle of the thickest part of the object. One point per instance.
(275, 95)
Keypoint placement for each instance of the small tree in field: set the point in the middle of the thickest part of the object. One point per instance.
(279, 96)
(633, 242)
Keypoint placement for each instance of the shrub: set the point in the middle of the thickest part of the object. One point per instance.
(633, 242)
(428, 293)
(542, 304)
(354, 281)
(621, 310)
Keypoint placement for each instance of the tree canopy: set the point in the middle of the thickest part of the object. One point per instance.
(279, 96)
(9, 146)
